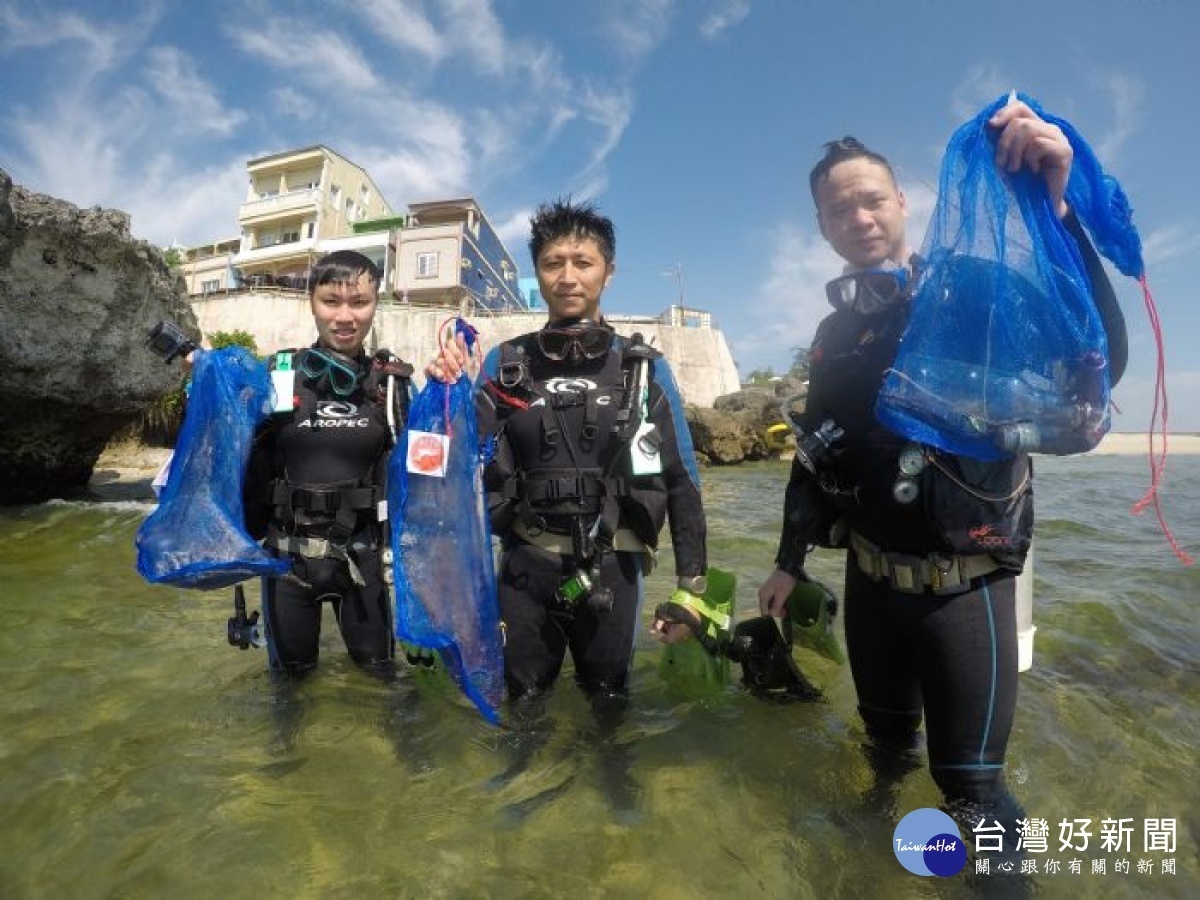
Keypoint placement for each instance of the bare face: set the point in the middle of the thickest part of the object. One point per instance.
(343, 312)
(861, 213)
(572, 274)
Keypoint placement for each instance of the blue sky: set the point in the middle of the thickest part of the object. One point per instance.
(693, 123)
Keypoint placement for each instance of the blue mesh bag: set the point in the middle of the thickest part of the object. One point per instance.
(1005, 351)
(196, 538)
(441, 539)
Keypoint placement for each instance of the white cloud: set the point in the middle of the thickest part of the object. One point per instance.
(919, 198)
(105, 43)
(331, 59)
(611, 111)
(287, 101)
(982, 85)
(514, 233)
(191, 102)
(112, 137)
(73, 127)
(790, 300)
(203, 207)
(725, 15)
(636, 27)
(1170, 242)
(403, 24)
(1127, 96)
(478, 34)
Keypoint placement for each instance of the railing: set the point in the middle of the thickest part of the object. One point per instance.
(279, 203)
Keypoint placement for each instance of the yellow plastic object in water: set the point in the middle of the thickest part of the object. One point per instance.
(778, 437)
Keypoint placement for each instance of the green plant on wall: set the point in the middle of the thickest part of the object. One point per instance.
(239, 338)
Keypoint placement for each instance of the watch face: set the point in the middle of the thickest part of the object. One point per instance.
(912, 460)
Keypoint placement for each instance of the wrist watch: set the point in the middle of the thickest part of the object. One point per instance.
(696, 584)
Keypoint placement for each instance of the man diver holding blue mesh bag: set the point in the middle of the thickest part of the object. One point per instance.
(590, 456)
(935, 539)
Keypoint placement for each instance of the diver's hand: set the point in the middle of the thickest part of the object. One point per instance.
(687, 615)
(451, 361)
(1028, 141)
(772, 596)
(187, 363)
(670, 630)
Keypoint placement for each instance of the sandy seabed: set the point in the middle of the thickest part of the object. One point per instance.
(1130, 442)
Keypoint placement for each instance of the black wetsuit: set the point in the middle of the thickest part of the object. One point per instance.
(318, 473)
(950, 656)
(557, 459)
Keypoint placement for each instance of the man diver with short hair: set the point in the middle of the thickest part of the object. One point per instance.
(929, 619)
(590, 456)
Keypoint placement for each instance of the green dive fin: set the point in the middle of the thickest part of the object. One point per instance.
(811, 607)
(688, 664)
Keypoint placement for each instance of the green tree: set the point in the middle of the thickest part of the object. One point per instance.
(239, 338)
(760, 376)
(800, 362)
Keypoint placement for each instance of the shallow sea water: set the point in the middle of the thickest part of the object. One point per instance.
(145, 757)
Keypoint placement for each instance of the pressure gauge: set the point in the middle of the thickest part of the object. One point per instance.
(913, 460)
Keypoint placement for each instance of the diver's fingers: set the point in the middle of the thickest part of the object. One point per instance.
(772, 596)
(670, 633)
(448, 363)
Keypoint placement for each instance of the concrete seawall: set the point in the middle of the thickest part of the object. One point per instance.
(698, 355)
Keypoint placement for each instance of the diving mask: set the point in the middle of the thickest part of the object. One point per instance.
(581, 339)
(341, 371)
(868, 292)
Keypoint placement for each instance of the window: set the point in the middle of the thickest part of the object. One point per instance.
(211, 286)
(290, 237)
(427, 265)
(311, 228)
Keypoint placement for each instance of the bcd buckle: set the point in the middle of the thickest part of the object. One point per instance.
(338, 536)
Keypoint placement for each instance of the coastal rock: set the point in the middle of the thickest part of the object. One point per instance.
(78, 295)
(738, 427)
(724, 438)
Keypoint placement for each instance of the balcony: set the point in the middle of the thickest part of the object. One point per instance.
(270, 207)
(275, 252)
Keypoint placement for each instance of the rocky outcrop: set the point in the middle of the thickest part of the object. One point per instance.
(78, 295)
(737, 428)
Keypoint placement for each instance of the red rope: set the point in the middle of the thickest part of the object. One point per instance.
(1158, 461)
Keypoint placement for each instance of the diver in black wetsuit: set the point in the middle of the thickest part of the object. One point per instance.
(930, 621)
(584, 473)
(590, 456)
(316, 475)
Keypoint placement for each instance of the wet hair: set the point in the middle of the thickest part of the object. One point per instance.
(341, 266)
(839, 151)
(562, 218)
